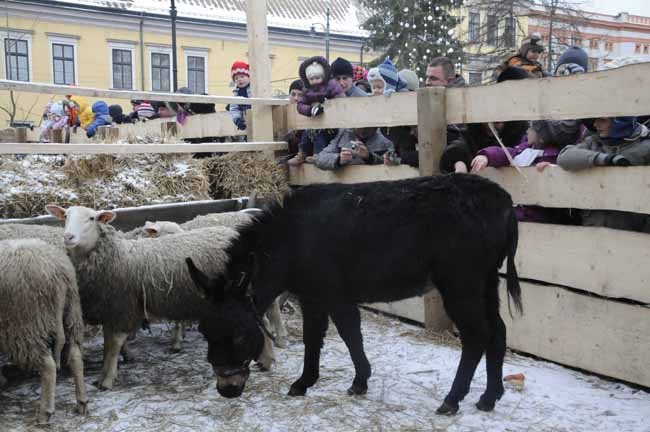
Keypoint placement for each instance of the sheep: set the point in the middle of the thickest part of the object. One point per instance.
(39, 312)
(130, 280)
(237, 219)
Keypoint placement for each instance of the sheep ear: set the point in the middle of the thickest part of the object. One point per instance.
(106, 217)
(153, 232)
(56, 211)
(210, 289)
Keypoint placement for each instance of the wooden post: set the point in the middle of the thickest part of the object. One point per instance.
(432, 139)
(108, 133)
(260, 128)
(169, 129)
(56, 135)
(21, 134)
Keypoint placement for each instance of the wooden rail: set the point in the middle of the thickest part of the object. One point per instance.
(15, 148)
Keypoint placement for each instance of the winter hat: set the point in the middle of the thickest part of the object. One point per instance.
(341, 66)
(359, 73)
(57, 109)
(622, 127)
(532, 42)
(374, 75)
(557, 133)
(315, 70)
(410, 78)
(296, 85)
(239, 67)
(364, 85)
(513, 73)
(389, 73)
(571, 61)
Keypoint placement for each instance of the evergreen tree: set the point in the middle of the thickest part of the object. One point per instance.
(412, 32)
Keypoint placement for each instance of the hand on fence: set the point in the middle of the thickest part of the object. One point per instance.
(346, 156)
(361, 150)
(460, 167)
(317, 110)
(542, 165)
(240, 123)
(478, 163)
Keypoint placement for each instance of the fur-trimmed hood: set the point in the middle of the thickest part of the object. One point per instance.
(318, 59)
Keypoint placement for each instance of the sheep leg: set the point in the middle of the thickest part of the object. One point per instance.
(60, 337)
(275, 318)
(112, 348)
(178, 335)
(48, 386)
(76, 363)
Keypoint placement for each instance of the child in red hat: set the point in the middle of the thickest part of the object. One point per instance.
(240, 74)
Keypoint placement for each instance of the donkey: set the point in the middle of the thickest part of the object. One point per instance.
(335, 246)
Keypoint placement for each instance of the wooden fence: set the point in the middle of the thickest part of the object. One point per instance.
(585, 290)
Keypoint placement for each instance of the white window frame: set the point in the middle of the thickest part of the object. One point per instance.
(160, 50)
(51, 40)
(196, 53)
(126, 47)
(17, 34)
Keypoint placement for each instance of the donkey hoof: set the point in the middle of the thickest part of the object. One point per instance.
(485, 404)
(297, 390)
(447, 408)
(357, 390)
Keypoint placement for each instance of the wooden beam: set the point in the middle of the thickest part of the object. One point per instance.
(607, 262)
(609, 188)
(15, 148)
(56, 89)
(432, 129)
(261, 126)
(602, 336)
(307, 174)
(615, 92)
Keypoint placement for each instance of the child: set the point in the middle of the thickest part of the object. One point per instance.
(377, 83)
(55, 118)
(101, 118)
(392, 80)
(315, 75)
(527, 57)
(240, 74)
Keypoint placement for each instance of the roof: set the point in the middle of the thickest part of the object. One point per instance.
(346, 16)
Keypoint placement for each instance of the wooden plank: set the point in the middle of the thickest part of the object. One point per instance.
(398, 109)
(261, 126)
(14, 148)
(56, 89)
(610, 93)
(307, 174)
(587, 332)
(607, 262)
(411, 309)
(432, 129)
(607, 188)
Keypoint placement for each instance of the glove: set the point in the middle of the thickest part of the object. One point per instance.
(317, 110)
(621, 161)
(240, 123)
(608, 159)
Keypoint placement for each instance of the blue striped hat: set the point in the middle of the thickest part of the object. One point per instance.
(389, 73)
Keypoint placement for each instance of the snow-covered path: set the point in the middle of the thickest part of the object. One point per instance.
(412, 371)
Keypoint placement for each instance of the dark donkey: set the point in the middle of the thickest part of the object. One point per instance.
(335, 246)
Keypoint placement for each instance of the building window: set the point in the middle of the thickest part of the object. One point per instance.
(593, 64)
(576, 41)
(646, 49)
(609, 46)
(63, 63)
(196, 74)
(122, 69)
(637, 49)
(475, 78)
(160, 72)
(474, 26)
(509, 32)
(16, 59)
(593, 44)
(492, 30)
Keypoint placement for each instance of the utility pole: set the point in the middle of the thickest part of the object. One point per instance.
(172, 14)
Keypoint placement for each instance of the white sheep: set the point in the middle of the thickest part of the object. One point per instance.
(128, 281)
(39, 312)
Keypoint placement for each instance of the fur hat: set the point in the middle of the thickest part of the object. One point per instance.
(314, 64)
(340, 67)
(573, 60)
(296, 85)
(239, 67)
(532, 42)
(410, 78)
(315, 70)
(374, 75)
(359, 73)
(389, 73)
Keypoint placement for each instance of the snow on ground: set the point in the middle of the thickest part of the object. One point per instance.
(412, 371)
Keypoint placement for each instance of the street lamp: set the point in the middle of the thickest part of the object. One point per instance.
(326, 27)
(172, 14)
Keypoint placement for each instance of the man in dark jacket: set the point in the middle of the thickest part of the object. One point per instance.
(354, 147)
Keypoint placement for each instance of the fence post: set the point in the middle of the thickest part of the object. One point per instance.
(56, 135)
(432, 139)
(261, 124)
(169, 129)
(21, 134)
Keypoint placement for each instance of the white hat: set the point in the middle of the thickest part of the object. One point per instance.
(374, 75)
(315, 70)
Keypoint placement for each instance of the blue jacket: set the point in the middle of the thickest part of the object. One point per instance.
(237, 111)
(102, 118)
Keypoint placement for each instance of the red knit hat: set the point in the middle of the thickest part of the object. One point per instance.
(239, 67)
(360, 73)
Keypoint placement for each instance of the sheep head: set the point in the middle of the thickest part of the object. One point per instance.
(82, 225)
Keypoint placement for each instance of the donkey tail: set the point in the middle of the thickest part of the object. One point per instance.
(512, 279)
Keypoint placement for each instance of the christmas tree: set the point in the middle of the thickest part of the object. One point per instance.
(412, 32)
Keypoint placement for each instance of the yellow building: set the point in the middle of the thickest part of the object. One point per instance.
(126, 44)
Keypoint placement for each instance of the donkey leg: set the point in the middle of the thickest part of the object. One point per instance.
(494, 354)
(347, 320)
(314, 327)
(469, 317)
(48, 387)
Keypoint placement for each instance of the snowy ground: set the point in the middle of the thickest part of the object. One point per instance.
(412, 371)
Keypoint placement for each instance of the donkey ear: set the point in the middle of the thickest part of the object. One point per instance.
(212, 290)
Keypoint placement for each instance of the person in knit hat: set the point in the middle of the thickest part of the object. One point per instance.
(389, 73)
(528, 55)
(572, 61)
(410, 78)
(377, 83)
(296, 88)
(343, 72)
(240, 74)
(359, 73)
